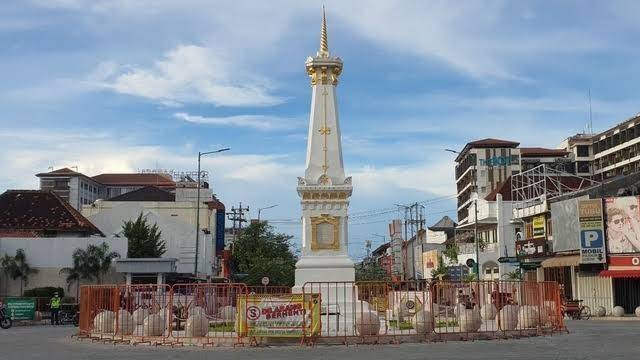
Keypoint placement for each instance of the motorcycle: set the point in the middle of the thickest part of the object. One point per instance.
(70, 315)
(5, 319)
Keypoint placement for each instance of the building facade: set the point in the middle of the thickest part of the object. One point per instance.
(480, 167)
(79, 189)
(49, 231)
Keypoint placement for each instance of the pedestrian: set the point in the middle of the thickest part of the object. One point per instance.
(55, 309)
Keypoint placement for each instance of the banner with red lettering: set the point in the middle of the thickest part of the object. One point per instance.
(285, 315)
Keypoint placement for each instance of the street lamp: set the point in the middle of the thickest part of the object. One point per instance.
(265, 208)
(200, 154)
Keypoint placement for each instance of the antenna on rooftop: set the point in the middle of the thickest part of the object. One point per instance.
(590, 114)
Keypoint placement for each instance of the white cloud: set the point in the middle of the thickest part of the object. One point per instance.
(187, 74)
(477, 38)
(258, 122)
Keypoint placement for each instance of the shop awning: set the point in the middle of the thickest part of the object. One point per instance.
(620, 273)
(560, 261)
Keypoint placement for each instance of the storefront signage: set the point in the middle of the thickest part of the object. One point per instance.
(592, 247)
(623, 224)
(21, 308)
(496, 161)
(285, 315)
(531, 248)
(539, 226)
(629, 262)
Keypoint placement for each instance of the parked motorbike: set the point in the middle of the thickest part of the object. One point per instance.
(70, 315)
(5, 319)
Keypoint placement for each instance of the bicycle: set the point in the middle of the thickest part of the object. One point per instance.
(575, 310)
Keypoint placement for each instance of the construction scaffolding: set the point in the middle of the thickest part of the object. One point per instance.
(540, 184)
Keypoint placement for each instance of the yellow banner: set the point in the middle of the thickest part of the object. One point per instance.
(285, 315)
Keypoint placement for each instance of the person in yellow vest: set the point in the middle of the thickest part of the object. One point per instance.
(55, 309)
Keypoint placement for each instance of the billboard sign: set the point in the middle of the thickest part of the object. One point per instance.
(531, 248)
(21, 308)
(622, 224)
(284, 315)
(592, 249)
(539, 226)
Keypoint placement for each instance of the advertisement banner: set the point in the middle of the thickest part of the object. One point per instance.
(430, 262)
(590, 217)
(622, 224)
(21, 308)
(285, 315)
(539, 226)
(531, 248)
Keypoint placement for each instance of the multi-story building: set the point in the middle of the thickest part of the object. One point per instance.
(481, 166)
(616, 151)
(79, 189)
(580, 151)
(558, 159)
(74, 187)
(175, 216)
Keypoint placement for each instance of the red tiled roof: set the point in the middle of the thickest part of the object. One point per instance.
(490, 142)
(541, 152)
(216, 204)
(147, 193)
(34, 212)
(61, 172)
(135, 180)
(504, 188)
(487, 143)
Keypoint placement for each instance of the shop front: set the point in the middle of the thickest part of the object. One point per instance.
(624, 270)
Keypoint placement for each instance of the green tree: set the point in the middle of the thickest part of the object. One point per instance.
(370, 270)
(513, 275)
(90, 264)
(259, 252)
(441, 271)
(143, 239)
(451, 252)
(99, 259)
(16, 267)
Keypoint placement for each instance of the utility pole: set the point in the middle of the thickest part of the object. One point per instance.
(475, 236)
(236, 215)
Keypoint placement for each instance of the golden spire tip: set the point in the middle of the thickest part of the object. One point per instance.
(324, 45)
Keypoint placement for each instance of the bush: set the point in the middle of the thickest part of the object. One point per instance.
(46, 292)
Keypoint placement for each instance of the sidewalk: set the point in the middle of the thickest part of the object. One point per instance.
(627, 317)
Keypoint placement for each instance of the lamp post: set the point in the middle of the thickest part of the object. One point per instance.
(200, 154)
(265, 208)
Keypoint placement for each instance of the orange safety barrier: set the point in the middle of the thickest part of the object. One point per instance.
(206, 313)
(383, 311)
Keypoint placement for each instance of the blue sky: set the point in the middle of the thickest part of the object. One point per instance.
(114, 86)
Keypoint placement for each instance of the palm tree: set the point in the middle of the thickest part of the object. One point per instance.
(79, 271)
(17, 267)
(99, 260)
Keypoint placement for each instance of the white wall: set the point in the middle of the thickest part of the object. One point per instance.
(179, 236)
(49, 256)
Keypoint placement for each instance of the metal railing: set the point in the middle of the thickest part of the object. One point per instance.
(227, 313)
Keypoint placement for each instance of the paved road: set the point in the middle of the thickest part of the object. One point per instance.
(588, 340)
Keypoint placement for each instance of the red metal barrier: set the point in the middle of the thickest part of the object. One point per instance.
(208, 314)
(205, 313)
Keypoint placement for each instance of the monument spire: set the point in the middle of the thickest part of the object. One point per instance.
(324, 189)
(324, 45)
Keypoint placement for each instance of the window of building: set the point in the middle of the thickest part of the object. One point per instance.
(61, 185)
(528, 230)
(583, 166)
(515, 159)
(582, 150)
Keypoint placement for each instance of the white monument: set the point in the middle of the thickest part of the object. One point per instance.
(324, 190)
